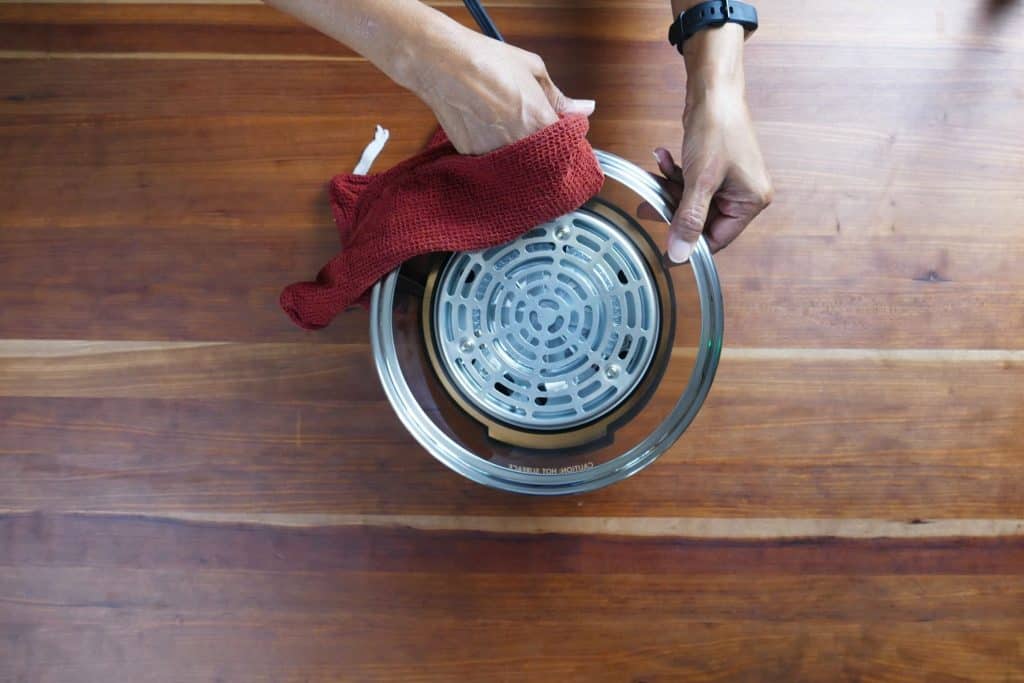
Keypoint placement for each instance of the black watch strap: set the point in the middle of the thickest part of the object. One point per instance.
(711, 13)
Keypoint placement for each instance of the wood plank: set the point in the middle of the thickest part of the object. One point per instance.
(921, 135)
(854, 257)
(200, 428)
(101, 542)
(722, 528)
(325, 593)
(382, 648)
(121, 597)
(284, 373)
(218, 284)
(202, 284)
(213, 27)
(247, 29)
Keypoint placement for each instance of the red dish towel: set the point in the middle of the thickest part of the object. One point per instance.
(440, 200)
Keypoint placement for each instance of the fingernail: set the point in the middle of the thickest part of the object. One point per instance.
(679, 250)
(584, 107)
(659, 156)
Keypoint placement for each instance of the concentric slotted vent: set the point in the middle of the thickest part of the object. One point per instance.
(550, 331)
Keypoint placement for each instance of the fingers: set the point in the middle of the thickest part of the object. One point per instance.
(671, 188)
(728, 217)
(562, 104)
(723, 229)
(667, 165)
(717, 207)
(671, 183)
(691, 215)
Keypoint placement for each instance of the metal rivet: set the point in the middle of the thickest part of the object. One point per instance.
(612, 371)
(563, 232)
(467, 345)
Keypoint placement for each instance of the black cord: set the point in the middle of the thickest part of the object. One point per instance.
(483, 20)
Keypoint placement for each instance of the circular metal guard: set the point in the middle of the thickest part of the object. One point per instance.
(552, 330)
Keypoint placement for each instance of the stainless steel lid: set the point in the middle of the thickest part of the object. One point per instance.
(545, 334)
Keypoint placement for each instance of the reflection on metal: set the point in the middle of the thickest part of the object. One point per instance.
(550, 339)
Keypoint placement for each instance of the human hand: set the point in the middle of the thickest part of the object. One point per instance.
(721, 181)
(487, 94)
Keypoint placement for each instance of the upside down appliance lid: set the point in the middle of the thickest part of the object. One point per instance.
(560, 362)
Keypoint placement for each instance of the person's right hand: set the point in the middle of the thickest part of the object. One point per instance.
(487, 94)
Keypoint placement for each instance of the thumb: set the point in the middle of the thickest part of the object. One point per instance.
(562, 104)
(581, 107)
(689, 218)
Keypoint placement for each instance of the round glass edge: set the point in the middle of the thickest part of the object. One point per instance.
(473, 467)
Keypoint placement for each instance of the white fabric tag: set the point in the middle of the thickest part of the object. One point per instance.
(372, 150)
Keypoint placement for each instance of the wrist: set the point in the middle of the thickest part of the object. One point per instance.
(442, 49)
(714, 60)
(421, 47)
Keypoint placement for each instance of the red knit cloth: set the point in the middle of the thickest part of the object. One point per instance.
(440, 200)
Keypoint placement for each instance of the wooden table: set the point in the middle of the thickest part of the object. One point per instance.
(191, 489)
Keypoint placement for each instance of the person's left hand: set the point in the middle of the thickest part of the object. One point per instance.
(721, 181)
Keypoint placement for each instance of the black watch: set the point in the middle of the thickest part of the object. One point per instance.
(711, 13)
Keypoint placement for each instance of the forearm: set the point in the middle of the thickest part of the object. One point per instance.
(713, 57)
(396, 35)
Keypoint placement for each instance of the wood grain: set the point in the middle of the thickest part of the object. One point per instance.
(222, 283)
(195, 428)
(328, 604)
(193, 490)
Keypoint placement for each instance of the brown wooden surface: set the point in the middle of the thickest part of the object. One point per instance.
(193, 490)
